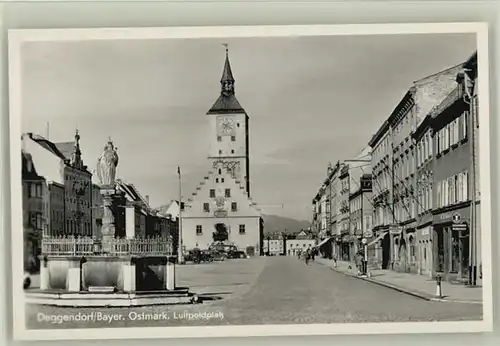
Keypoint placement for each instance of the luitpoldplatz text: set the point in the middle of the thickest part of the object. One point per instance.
(100, 317)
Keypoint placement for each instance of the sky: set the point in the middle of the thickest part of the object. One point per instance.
(310, 100)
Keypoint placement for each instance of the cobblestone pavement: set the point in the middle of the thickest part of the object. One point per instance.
(271, 290)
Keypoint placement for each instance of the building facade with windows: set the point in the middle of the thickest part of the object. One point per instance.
(383, 213)
(423, 138)
(361, 211)
(221, 208)
(421, 98)
(274, 244)
(454, 197)
(68, 203)
(34, 191)
(299, 243)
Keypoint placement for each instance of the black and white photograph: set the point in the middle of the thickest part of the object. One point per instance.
(280, 180)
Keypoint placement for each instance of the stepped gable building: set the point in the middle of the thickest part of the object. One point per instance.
(220, 208)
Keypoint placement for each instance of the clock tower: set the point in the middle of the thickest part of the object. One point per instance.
(229, 135)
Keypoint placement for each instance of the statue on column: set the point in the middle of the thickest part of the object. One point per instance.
(106, 165)
(106, 172)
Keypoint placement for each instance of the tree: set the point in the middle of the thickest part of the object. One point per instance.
(221, 234)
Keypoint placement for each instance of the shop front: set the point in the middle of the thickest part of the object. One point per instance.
(424, 234)
(451, 244)
(404, 244)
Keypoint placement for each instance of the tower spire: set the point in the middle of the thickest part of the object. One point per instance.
(227, 80)
(77, 153)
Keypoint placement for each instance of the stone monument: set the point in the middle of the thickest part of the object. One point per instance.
(106, 172)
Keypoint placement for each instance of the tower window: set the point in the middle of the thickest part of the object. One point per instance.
(220, 171)
(234, 206)
(228, 192)
(233, 138)
(206, 207)
(219, 139)
(199, 230)
(242, 229)
(232, 151)
(212, 193)
(237, 124)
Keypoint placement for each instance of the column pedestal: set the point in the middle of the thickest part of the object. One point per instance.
(44, 276)
(73, 280)
(128, 271)
(170, 274)
(108, 220)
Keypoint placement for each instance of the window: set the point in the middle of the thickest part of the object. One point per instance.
(452, 184)
(232, 151)
(220, 152)
(242, 229)
(237, 124)
(228, 193)
(465, 117)
(216, 180)
(233, 138)
(221, 180)
(212, 193)
(234, 206)
(219, 139)
(199, 230)
(438, 197)
(465, 182)
(206, 207)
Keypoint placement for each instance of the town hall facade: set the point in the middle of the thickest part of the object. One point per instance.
(221, 208)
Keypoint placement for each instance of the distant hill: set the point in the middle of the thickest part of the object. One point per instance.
(273, 223)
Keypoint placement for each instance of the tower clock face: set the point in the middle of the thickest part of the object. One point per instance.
(226, 126)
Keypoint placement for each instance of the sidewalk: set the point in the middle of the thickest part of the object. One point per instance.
(413, 284)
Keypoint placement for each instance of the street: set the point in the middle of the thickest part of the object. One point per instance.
(266, 290)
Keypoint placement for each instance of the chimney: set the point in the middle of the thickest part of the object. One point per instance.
(147, 199)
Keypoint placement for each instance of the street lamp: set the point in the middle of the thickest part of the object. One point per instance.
(365, 256)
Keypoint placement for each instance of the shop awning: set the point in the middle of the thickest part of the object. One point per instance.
(323, 242)
(380, 236)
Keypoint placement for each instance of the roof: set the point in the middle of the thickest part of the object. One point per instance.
(132, 191)
(226, 104)
(227, 73)
(48, 145)
(66, 148)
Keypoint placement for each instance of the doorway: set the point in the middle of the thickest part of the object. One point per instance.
(386, 251)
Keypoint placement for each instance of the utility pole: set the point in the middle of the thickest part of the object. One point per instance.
(180, 253)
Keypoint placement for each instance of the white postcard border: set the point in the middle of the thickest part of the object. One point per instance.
(18, 37)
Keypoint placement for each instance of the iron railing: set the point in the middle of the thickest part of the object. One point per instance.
(85, 246)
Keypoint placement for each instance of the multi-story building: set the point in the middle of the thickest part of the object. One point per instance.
(300, 243)
(456, 226)
(361, 210)
(424, 187)
(97, 210)
(221, 207)
(350, 172)
(346, 240)
(274, 244)
(68, 203)
(424, 95)
(381, 163)
(34, 190)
